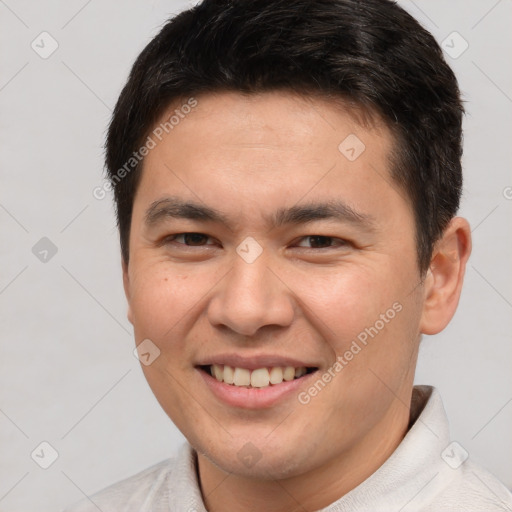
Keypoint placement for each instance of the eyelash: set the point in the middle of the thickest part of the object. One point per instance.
(342, 243)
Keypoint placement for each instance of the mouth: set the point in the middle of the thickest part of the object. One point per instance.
(255, 381)
(258, 378)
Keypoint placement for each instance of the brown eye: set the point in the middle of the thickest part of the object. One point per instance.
(190, 239)
(321, 242)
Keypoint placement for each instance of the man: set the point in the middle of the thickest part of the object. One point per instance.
(287, 176)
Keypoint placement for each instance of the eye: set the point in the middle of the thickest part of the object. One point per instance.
(322, 242)
(308, 242)
(189, 239)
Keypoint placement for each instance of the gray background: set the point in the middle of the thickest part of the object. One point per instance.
(68, 374)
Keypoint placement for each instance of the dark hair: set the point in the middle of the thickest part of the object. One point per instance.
(369, 53)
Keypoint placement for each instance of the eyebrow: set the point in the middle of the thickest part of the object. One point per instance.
(177, 208)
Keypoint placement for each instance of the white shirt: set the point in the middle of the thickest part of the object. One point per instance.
(425, 473)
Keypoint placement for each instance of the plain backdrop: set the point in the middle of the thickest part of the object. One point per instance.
(68, 374)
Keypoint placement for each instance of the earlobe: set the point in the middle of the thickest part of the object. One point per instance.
(126, 285)
(443, 283)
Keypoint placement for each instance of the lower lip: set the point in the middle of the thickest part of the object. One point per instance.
(254, 398)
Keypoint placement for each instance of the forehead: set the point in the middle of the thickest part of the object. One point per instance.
(283, 124)
(274, 108)
(273, 146)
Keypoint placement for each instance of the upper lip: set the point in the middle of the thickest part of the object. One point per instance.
(254, 362)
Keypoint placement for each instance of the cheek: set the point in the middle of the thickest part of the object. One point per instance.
(347, 300)
(371, 305)
(161, 298)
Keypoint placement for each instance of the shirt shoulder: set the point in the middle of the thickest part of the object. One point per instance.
(473, 489)
(139, 492)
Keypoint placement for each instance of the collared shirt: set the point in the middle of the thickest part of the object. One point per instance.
(426, 473)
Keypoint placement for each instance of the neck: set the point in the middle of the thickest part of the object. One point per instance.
(309, 491)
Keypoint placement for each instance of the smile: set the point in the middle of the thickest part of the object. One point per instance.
(257, 378)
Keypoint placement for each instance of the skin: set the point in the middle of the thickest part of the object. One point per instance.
(248, 156)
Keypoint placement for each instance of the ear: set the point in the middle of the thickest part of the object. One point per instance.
(443, 282)
(126, 285)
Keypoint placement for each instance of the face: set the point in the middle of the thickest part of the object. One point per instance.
(269, 239)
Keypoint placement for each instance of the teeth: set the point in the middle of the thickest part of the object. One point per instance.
(217, 372)
(229, 374)
(242, 377)
(289, 373)
(299, 372)
(276, 375)
(260, 378)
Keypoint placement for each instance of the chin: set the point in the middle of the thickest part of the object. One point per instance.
(259, 460)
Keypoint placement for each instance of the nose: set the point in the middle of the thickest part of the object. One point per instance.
(251, 296)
